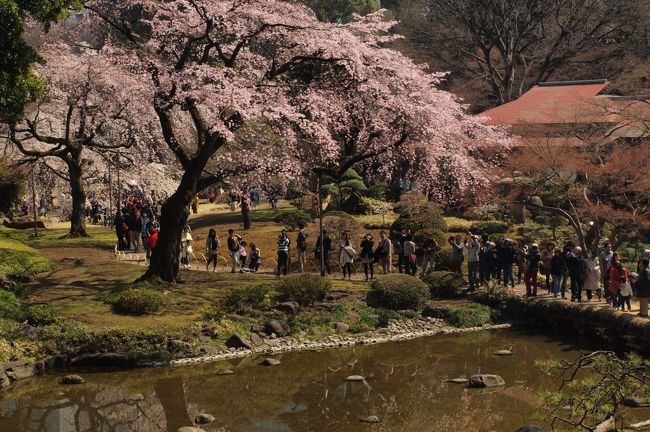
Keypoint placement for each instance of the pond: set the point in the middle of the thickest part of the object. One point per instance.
(406, 387)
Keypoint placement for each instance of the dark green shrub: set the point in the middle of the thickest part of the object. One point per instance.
(39, 315)
(474, 315)
(243, 300)
(9, 306)
(397, 292)
(136, 301)
(489, 227)
(292, 219)
(418, 219)
(304, 288)
(425, 233)
(445, 284)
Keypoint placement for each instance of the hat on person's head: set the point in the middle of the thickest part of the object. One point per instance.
(535, 245)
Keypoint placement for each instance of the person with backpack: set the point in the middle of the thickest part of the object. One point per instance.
(212, 245)
(283, 253)
(186, 247)
(532, 268)
(384, 253)
(233, 249)
(410, 258)
(555, 267)
(368, 256)
(346, 255)
(506, 257)
(578, 273)
(473, 247)
(430, 251)
(301, 245)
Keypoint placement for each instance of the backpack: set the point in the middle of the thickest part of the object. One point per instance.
(233, 244)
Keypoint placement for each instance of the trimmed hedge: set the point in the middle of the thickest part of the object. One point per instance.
(489, 227)
(135, 301)
(304, 288)
(445, 284)
(397, 291)
(9, 306)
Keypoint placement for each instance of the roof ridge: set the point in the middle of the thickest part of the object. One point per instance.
(573, 82)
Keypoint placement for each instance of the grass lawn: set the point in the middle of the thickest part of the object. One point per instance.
(17, 257)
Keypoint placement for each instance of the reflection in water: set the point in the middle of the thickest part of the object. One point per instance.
(406, 387)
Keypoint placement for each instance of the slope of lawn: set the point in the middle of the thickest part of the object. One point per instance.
(17, 257)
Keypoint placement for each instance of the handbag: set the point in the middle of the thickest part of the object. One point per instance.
(626, 289)
(412, 259)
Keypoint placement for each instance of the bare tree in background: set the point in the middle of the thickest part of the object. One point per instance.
(513, 44)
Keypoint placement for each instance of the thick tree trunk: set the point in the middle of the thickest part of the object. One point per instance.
(246, 213)
(78, 193)
(165, 257)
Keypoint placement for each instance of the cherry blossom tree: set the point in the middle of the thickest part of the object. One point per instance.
(88, 109)
(332, 92)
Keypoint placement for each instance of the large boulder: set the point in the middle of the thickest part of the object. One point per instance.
(4, 379)
(18, 370)
(72, 379)
(435, 312)
(486, 381)
(236, 341)
(340, 327)
(204, 418)
(276, 327)
(289, 307)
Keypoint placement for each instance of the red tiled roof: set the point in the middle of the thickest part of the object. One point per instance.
(550, 103)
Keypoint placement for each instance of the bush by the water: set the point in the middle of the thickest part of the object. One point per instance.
(474, 315)
(243, 300)
(445, 284)
(292, 219)
(489, 227)
(138, 301)
(9, 306)
(304, 288)
(397, 291)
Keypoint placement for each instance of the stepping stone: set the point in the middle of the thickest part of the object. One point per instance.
(72, 379)
(355, 378)
(270, 362)
(459, 380)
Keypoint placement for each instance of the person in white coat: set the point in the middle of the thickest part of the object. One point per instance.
(592, 283)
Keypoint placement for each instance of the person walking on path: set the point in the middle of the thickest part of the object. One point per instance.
(592, 282)
(617, 275)
(120, 232)
(522, 253)
(234, 241)
(400, 239)
(326, 246)
(457, 254)
(186, 247)
(564, 259)
(243, 256)
(643, 285)
(368, 256)
(430, 250)
(195, 204)
(473, 247)
(346, 255)
(410, 259)
(578, 273)
(556, 272)
(384, 253)
(212, 245)
(135, 230)
(532, 268)
(283, 253)
(506, 257)
(605, 261)
(545, 268)
(301, 245)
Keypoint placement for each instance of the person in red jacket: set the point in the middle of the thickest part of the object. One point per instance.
(617, 276)
(153, 237)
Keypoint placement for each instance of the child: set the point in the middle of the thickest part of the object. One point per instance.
(242, 256)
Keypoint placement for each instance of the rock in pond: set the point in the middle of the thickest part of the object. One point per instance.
(486, 381)
(355, 378)
(276, 327)
(503, 352)
(204, 418)
(236, 341)
(435, 312)
(189, 429)
(369, 419)
(636, 402)
(459, 380)
(256, 340)
(72, 379)
(270, 362)
(225, 372)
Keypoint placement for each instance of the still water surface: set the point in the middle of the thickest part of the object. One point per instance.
(406, 387)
